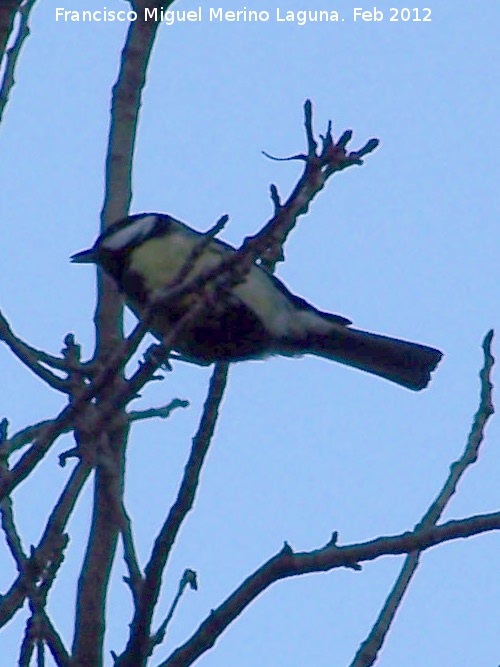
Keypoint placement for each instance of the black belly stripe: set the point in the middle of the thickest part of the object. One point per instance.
(133, 286)
(228, 330)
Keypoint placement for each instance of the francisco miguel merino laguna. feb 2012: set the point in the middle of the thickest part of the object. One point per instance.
(210, 14)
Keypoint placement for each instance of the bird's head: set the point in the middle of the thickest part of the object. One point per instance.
(114, 246)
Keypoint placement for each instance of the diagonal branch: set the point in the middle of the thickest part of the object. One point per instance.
(12, 536)
(8, 12)
(289, 564)
(162, 412)
(267, 244)
(25, 436)
(135, 578)
(189, 578)
(31, 357)
(51, 542)
(139, 645)
(107, 409)
(370, 647)
(318, 167)
(54, 641)
(42, 629)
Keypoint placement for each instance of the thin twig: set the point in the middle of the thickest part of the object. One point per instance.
(107, 409)
(135, 577)
(197, 251)
(25, 436)
(317, 170)
(12, 536)
(162, 412)
(30, 356)
(189, 578)
(40, 653)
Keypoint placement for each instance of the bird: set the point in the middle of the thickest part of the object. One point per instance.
(253, 319)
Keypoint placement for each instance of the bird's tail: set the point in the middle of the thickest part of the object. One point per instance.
(407, 364)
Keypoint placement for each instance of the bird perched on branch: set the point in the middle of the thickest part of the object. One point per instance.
(252, 319)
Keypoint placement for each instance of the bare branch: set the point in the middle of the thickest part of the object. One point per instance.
(54, 642)
(476, 436)
(370, 647)
(51, 543)
(308, 123)
(275, 198)
(31, 357)
(268, 243)
(107, 408)
(189, 578)
(94, 579)
(13, 53)
(25, 436)
(8, 13)
(162, 412)
(30, 459)
(40, 653)
(101, 546)
(135, 578)
(41, 628)
(197, 250)
(288, 564)
(11, 534)
(139, 644)
(27, 645)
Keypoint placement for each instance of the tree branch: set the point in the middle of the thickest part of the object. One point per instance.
(188, 579)
(8, 12)
(11, 534)
(31, 357)
(54, 642)
(288, 564)
(107, 408)
(51, 543)
(267, 244)
(94, 579)
(135, 578)
(333, 157)
(25, 436)
(9, 527)
(140, 645)
(162, 412)
(370, 647)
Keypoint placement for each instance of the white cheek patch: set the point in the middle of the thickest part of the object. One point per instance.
(135, 231)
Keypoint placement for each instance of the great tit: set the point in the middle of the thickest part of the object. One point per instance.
(258, 317)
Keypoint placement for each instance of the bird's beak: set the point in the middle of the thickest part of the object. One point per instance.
(85, 257)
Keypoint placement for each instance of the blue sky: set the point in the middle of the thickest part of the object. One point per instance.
(406, 245)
